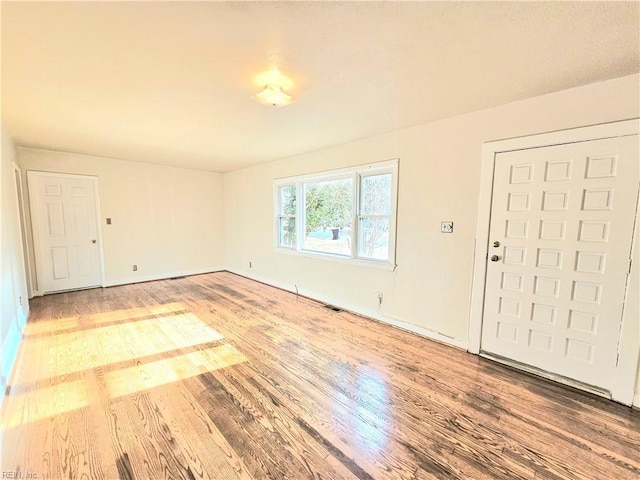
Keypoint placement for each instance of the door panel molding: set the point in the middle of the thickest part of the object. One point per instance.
(629, 348)
(33, 175)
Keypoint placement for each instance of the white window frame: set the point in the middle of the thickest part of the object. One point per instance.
(280, 215)
(357, 173)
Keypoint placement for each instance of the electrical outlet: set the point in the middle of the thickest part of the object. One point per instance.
(135, 268)
(20, 299)
(446, 227)
(250, 265)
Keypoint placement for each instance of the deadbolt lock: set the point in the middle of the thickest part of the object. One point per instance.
(496, 244)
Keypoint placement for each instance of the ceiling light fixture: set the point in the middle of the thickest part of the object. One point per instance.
(273, 96)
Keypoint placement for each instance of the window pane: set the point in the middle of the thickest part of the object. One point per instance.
(287, 232)
(288, 200)
(375, 198)
(373, 241)
(328, 216)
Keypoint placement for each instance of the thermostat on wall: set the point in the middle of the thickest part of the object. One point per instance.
(446, 227)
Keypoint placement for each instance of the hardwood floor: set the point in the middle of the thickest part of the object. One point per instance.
(216, 376)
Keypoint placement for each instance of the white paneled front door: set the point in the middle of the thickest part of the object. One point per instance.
(560, 236)
(65, 226)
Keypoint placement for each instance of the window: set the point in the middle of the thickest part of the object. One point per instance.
(287, 216)
(328, 216)
(346, 214)
(374, 216)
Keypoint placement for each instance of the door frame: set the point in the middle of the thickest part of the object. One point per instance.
(24, 242)
(36, 234)
(629, 347)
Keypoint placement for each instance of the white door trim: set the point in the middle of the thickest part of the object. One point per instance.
(35, 232)
(26, 250)
(629, 350)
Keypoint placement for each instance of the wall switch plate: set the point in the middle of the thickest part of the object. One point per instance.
(135, 268)
(446, 227)
(108, 221)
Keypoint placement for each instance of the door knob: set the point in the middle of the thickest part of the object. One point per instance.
(495, 258)
(93, 241)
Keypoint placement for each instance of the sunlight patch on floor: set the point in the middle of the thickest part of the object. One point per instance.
(53, 357)
(50, 326)
(83, 349)
(154, 374)
(134, 313)
(43, 403)
(130, 314)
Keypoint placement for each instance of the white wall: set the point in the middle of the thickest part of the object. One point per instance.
(14, 306)
(166, 220)
(439, 180)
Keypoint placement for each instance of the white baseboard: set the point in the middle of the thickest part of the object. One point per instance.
(433, 335)
(150, 278)
(161, 276)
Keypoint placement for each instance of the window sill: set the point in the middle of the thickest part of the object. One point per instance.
(359, 262)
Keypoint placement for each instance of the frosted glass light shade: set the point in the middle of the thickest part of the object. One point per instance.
(273, 96)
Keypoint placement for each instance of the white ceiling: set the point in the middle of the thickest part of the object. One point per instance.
(170, 83)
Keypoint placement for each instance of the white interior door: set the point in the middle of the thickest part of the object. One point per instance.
(65, 227)
(562, 221)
